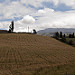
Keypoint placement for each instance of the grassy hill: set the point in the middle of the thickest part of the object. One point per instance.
(29, 54)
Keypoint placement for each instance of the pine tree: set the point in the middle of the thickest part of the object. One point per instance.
(57, 35)
(73, 35)
(60, 34)
(64, 35)
(11, 27)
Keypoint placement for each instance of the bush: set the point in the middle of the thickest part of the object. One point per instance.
(34, 31)
(70, 42)
(63, 39)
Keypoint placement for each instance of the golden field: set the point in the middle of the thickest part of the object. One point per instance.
(29, 54)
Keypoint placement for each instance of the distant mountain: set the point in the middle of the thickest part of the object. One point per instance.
(51, 31)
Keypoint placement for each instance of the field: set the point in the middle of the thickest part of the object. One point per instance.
(73, 41)
(29, 54)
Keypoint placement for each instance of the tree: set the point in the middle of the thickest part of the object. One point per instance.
(70, 36)
(60, 34)
(64, 35)
(11, 27)
(73, 35)
(70, 42)
(63, 39)
(56, 35)
(34, 31)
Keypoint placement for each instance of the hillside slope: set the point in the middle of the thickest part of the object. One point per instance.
(25, 54)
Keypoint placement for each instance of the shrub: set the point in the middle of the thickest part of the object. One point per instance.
(63, 39)
(70, 42)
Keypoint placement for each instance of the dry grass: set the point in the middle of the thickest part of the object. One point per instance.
(25, 54)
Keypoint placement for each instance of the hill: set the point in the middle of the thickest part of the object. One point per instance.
(29, 54)
(51, 31)
(3, 31)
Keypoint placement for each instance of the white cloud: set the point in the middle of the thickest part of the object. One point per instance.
(39, 19)
(4, 25)
(41, 11)
(56, 2)
(45, 10)
(69, 3)
(38, 3)
(22, 25)
(49, 19)
(28, 20)
(56, 19)
(35, 3)
(66, 2)
(14, 9)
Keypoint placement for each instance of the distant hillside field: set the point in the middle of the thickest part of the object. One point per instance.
(29, 54)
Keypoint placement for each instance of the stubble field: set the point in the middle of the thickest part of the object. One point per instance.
(28, 54)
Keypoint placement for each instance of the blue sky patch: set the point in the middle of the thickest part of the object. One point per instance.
(15, 19)
(36, 8)
(61, 7)
(48, 4)
(1, 1)
(2, 20)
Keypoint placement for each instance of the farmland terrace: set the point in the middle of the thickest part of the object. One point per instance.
(29, 54)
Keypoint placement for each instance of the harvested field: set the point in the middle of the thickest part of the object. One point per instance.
(29, 54)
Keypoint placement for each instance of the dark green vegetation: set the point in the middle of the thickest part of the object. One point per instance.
(71, 41)
(68, 39)
(29, 54)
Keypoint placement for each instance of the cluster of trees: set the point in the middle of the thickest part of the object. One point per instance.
(58, 35)
(62, 37)
(71, 35)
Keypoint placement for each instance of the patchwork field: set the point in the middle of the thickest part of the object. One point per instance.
(28, 54)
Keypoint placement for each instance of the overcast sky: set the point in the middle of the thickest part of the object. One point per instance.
(37, 14)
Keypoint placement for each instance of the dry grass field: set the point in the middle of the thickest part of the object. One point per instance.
(29, 54)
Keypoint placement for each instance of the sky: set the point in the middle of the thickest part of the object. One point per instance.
(37, 14)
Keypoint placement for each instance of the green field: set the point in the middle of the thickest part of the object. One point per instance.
(73, 39)
(29, 54)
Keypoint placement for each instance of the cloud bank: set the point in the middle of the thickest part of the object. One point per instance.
(37, 14)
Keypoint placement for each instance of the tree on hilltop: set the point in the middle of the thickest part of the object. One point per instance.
(34, 31)
(11, 27)
(60, 34)
(56, 35)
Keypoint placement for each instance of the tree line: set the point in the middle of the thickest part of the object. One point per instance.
(58, 35)
(62, 37)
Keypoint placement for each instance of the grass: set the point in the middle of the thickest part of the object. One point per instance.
(29, 54)
(66, 69)
(73, 39)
